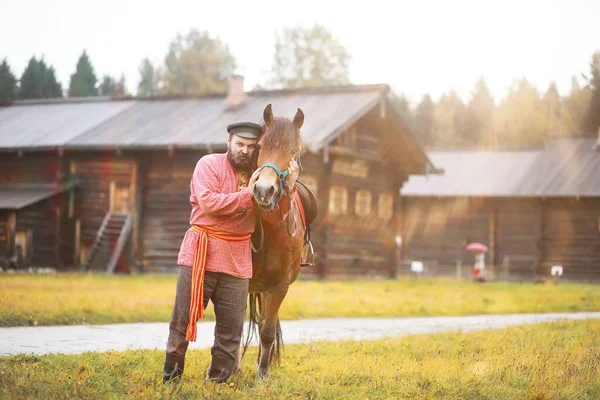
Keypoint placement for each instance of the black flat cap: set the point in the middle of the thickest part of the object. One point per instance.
(248, 130)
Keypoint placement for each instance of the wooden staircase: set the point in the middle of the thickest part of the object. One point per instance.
(109, 243)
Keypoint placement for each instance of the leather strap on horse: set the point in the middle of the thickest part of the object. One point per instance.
(197, 292)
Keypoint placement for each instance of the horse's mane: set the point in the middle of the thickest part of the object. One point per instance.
(282, 134)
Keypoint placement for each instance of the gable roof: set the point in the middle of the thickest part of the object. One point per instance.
(187, 122)
(565, 168)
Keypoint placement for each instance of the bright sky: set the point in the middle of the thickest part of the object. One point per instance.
(415, 46)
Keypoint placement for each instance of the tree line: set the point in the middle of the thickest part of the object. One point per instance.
(523, 118)
(198, 63)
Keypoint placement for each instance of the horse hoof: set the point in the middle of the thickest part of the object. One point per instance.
(262, 375)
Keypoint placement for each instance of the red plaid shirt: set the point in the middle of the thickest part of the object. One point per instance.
(216, 202)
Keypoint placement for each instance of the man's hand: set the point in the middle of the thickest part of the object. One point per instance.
(252, 182)
(293, 172)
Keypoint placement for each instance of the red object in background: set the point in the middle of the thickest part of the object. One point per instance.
(478, 247)
(475, 272)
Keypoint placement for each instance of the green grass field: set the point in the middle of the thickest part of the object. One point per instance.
(547, 361)
(64, 299)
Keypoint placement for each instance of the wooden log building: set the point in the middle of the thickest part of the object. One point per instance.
(533, 209)
(112, 175)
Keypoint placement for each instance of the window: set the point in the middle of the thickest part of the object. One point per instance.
(311, 182)
(385, 206)
(362, 206)
(23, 244)
(338, 200)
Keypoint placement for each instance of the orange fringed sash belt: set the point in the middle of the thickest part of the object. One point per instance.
(197, 294)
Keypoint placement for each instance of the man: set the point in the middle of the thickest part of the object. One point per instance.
(215, 257)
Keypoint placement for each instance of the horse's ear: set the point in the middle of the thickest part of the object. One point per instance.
(268, 115)
(299, 119)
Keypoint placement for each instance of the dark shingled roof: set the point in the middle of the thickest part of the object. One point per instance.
(565, 168)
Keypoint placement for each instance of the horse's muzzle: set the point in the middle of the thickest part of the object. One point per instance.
(264, 194)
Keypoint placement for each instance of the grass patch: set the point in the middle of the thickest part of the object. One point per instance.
(65, 299)
(546, 361)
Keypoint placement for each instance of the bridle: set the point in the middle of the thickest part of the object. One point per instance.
(283, 188)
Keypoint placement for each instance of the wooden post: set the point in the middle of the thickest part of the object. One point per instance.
(77, 257)
(134, 205)
(11, 231)
(57, 236)
(539, 238)
(492, 236)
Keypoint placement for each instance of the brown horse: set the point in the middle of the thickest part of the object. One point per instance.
(276, 264)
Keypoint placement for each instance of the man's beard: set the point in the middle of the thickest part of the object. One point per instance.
(240, 162)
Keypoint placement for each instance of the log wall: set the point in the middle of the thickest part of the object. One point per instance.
(526, 237)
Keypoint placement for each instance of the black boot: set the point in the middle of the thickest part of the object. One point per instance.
(219, 370)
(173, 367)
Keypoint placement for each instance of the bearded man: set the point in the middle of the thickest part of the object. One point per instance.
(215, 257)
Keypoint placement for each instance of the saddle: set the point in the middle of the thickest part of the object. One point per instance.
(309, 202)
(310, 209)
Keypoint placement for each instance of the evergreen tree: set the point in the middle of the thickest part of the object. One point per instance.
(8, 84)
(424, 121)
(83, 81)
(449, 118)
(38, 81)
(576, 105)
(108, 86)
(591, 122)
(150, 79)
(478, 116)
(402, 106)
(121, 87)
(552, 104)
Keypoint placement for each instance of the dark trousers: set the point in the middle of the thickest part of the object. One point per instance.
(229, 296)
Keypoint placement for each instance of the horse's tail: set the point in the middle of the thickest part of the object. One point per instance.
(254, 310)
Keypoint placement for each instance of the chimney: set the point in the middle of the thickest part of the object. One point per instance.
(236, 95)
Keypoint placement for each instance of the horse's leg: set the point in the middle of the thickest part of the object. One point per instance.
(237, 367)
(268, 328)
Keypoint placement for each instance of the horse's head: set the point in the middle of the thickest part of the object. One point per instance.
(280, 142)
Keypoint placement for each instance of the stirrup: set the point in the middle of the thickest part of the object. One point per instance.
(310, 257)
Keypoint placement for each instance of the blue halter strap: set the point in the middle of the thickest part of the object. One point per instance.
(281, 175)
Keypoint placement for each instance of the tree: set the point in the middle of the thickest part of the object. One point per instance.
(83, 81)
(553, 108)
(111, 87)
(121, 88)
(479, 115)
(576, 105)
(108, 86)
(424, 121)
(309, 57)
(8, 84)
(197, 64)
(150, 79)
(448, 127)
(591, 122)
(38, 81)
(402, 106)
(521, 121)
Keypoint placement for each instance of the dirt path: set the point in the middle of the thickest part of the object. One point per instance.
(78, 339)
